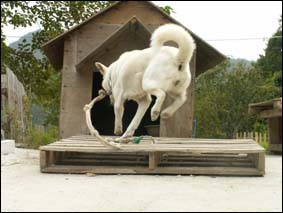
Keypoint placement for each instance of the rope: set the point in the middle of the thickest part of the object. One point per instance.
(101, 94)
(110, 142)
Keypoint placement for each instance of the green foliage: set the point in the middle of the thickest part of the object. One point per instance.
(37, 137)
(39, 78)
(167, 9)
(224, 93)
(264, 144)
(271, 61)
(222, 99)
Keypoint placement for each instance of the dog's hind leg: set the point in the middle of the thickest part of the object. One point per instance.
(119, 111)
(177, 103)
(143, 105)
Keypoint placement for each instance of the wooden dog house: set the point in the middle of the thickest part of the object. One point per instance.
(121, 27)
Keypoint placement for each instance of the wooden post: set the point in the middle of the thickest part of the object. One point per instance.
(260, 163)
(42, 158)
(153, 160)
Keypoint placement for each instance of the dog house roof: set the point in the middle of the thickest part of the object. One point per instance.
(133, 27)
(207, 56)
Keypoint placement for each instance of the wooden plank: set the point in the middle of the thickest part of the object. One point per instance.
(15, 106)
(176, 143)
(137, 149)
(74, 85)
(156, 147)
(192, 145)
(207, 159)
(266, 105)
(104, 162)
(140, 170)
(163, 139)
(271, 113)
(153, 162)
(205, 164)
(186, 145)
(275, 147)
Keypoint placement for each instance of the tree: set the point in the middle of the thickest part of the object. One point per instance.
(270, 64)
(222, 98)
(37, 75)
(271, 61)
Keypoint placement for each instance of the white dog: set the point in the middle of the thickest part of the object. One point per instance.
(158, 70)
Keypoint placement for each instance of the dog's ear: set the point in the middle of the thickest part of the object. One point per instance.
(102, 69)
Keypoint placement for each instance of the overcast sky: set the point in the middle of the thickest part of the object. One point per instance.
(217, 21)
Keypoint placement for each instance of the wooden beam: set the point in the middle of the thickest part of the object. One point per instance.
(275, 147)
(271, 113)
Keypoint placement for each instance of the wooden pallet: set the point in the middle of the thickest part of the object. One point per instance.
(84, 154)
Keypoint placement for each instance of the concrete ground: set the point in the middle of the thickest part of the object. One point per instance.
(24, 188)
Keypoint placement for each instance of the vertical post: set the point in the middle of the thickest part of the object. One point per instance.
(43, 160)
(153, 160)
(260, 163)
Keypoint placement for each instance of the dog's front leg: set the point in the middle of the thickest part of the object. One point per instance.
(160, 97)
(171, 109)
(143, 105)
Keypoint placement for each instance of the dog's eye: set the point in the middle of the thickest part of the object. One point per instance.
(180, 67)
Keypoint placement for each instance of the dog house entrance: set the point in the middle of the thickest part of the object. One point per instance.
(102, 114)
(131, 36)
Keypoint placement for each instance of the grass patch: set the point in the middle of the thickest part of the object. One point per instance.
(37, 137)
(264, 144)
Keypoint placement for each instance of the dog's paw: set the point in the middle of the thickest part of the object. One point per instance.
(165, 115)
(154, 115)
(118, 130)
(122, 140)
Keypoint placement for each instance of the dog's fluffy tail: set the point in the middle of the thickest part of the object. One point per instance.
(173, 32)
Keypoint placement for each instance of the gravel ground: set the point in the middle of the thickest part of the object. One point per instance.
(24, 188)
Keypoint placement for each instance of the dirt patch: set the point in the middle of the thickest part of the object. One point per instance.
(24, 188)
